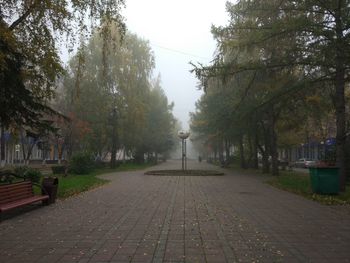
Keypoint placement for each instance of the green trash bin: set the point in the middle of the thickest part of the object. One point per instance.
(324, 180)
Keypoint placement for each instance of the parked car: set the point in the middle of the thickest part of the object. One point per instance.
(305, 163)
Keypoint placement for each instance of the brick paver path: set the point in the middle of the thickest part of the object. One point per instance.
(140, 218)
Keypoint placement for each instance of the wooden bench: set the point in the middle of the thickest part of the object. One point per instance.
(14, 195)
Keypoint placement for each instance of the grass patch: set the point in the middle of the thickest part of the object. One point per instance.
(124, 167)
(300, 184)
(74, 184)
(185, 173)
(237, 168)
(297, 183)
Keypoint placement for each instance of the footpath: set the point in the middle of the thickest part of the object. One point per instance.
(206, 219)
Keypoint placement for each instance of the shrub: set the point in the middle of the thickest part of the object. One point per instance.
(152, 160)
(21, 170)
(33, 175)
(28, 173)
(81, 163)
(100, 164)
(58, 169)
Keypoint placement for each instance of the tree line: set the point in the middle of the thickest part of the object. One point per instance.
(104, 100)
(280, 75)
(115, 103)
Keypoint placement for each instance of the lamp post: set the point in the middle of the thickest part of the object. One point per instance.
(183, 136)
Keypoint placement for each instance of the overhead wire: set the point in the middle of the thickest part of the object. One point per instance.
(179, 51)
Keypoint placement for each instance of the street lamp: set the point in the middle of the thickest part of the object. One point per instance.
(183, 136)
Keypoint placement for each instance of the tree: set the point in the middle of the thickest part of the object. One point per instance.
(310, 40)
(124, 108)
(160, 122)
(37, 30)
(30, 34)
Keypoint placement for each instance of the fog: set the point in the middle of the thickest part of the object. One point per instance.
(179, 32)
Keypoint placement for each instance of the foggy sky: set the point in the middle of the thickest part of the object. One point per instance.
(179, 32)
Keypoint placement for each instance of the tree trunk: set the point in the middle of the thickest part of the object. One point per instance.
(265, 160)
(265, 152)
(221, 151)
(113, 162)
(250, 156)
(241, 152)
(29, 152)
(347, 158)
(340, 103)
(255, 151)
(2, 147)
(139, 156)
(60, 149)
(273, 144)
(265, 163)
(23, 147)
(227, 149)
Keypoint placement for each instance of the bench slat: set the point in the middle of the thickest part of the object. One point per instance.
(33, 199)
(18, 194)
(23, 190)
(15, 187)
(17, 191)
(15, 196)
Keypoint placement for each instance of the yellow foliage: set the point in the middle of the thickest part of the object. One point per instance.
(347, 92)
(313, 99)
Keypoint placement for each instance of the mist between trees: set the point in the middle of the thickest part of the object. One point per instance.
(115, 105)
(279, 79)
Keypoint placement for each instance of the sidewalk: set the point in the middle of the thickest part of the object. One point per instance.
(139, 218)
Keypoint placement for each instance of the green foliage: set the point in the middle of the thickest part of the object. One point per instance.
(30, 34)
(301, 185)
(127, 166)
(26, 172)
(81, 163)
(297, 183)
(98, 164)
(21, 170)
(33, 175)
(277, 65)
(75, 184)
(143, 122)
(58, 169)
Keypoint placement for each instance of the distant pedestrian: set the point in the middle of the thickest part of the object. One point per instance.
(199, 159)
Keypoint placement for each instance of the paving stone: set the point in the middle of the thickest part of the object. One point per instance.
(212, 219)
